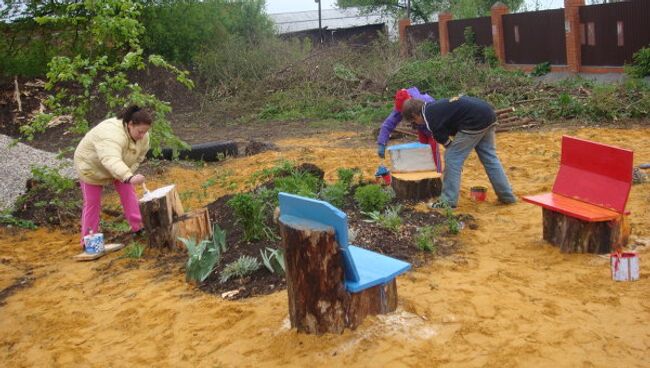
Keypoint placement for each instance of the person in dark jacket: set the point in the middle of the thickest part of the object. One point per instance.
(395, 117)
(461, 124)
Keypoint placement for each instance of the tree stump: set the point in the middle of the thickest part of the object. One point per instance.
(159, 210)
(416, 185)
(318, 300)
(195, 224)
(573, 235)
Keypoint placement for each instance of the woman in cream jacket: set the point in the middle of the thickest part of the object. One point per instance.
(110, 153)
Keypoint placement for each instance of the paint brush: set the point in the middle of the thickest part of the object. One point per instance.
(144, 187)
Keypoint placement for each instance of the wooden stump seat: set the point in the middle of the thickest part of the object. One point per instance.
(585, 211)
(414, 175)
(331, 285)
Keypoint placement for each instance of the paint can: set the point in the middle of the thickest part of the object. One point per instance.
(382, 175)
(478, 193)
(94, 243)
(625, 266)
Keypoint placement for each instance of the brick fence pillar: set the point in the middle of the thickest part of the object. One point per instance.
(497, 12)
(443, 18)
(572, 33)
(403, 37)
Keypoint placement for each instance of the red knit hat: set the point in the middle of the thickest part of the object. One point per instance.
(401, 96)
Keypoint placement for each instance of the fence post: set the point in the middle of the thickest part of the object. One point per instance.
(572, 33)
(403, 37)
(497, 12)
(443, 19)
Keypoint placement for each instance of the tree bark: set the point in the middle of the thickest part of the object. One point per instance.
(318, 300)
(159, 210)
(573, 235)
(416, 185)
(195, 224)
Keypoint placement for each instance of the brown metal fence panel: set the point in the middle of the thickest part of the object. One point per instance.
(482, 28)
(612, 33)
(535, 37)
(418, 33)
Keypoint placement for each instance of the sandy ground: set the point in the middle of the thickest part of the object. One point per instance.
(506, 300)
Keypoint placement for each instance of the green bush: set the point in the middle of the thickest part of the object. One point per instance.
(300, 183)
(249, 213)
(389, 220)
(372, 197)
(334, 194)
(640, 64)
(541, 69)
(346, 176)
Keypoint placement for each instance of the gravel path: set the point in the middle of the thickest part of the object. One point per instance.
(16, 162)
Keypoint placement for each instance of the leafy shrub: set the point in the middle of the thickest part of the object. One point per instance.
(490, 57)
(249, 213)
(300, 183)
(346, 176)
(7, 219)
(372, 197)
(202, 259)
(541, 69)
(640, 63)
(273, 260)
(425, 239)
(334, 194)
(243, 266)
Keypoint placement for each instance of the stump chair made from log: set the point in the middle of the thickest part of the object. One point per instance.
(585, 211)
(331, 284)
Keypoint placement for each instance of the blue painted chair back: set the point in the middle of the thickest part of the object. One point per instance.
(325, 213)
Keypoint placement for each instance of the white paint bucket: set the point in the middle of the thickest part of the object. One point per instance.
(625, 266)
(94, 243)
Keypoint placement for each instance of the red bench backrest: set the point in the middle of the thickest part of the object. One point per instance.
(595, 173)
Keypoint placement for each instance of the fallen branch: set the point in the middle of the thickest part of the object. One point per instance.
(504, 111)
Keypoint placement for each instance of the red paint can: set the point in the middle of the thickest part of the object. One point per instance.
(478, 193)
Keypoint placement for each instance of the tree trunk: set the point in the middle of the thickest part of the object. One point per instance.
(159, 210)
(195, 224)
(416, 185)
(318, 300)
(573, 235)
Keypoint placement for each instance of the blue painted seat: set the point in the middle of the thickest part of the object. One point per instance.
(363, 268)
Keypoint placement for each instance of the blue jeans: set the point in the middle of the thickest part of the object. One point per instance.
(457, 152)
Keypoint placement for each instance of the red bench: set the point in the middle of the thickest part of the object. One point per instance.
(585, 212)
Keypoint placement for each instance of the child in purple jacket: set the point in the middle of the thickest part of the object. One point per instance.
(424, 135)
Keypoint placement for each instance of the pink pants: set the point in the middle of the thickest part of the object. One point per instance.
(435, 149)
(92, 195)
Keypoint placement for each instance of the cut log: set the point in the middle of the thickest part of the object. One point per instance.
(159, 210)
(416, 185)
(195, 224)
(318, 300)
(573, 235)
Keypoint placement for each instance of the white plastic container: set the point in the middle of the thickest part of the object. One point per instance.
(94, 243)
(411, 157)
(625, 266)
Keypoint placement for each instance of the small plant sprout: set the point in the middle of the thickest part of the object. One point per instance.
(243, 266)
(390, 219)
(273, 260)
(425, 239)
(346, 176)
(134, 250)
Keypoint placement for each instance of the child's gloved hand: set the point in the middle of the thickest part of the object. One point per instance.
(381, 150)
